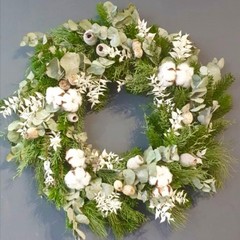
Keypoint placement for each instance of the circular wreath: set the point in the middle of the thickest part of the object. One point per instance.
(70, 72)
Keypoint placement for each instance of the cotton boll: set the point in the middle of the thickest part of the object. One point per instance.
(165, 191)
(184, 75)
(89, 38)
(152, 180)
(135, 162)
(54, 96)
(71, 181)
(71, 100)
(167, 73)
(164, 176)
(75, 158)
(77, 178)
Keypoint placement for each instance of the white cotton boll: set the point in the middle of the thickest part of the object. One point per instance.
(82, 176)
(75, 158)
(188, 160)
(71, 100)
(77, 179)
(167, 73)
(54, 96)
(71, 181)
(102, 50)
(89, 38)
(164, 176)
(166, 191)
(135, 162)
(152, 180)
(184, 75)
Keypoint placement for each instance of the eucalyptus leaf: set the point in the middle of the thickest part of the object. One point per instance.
(70, 63)
(72, 25)
(72, 196)
(85, 24)
(10, 157)
(13, 136)
(14, 125)
(107, 189)
(106, 62)
(81, 218)
(96, 68)
(17, 148)
(80, 234)
(110, 9)
(53, 69)
(52, 125)
(198, 108)
(197, 183)
(70, 214)
(149, 155)
(129, 176)
(142, 174)
(152, 169)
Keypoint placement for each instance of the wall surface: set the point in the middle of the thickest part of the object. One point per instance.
(214, 25)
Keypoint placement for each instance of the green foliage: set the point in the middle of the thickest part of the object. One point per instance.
(217, 162)
(157, 124)
(180, 216)
(139, 83)
(219, 125)
(131, 30)
(126, 221)
(184, 176)
(181, 96)
(193, 138)
(225, 102)
(103, 15)
(119, 70)
(97, 222)
(108, 176)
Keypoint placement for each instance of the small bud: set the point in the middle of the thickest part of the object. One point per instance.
(128, 190)
(187, 118)
(118, 185)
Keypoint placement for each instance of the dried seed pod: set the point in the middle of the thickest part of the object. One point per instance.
(89, 38)
(32, 133)
(137, 49)
(102, 50)
(72, 117)
(64, 84)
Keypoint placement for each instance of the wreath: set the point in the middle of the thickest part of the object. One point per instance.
(69, 74)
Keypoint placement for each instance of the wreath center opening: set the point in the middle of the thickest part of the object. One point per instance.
(120, 125)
